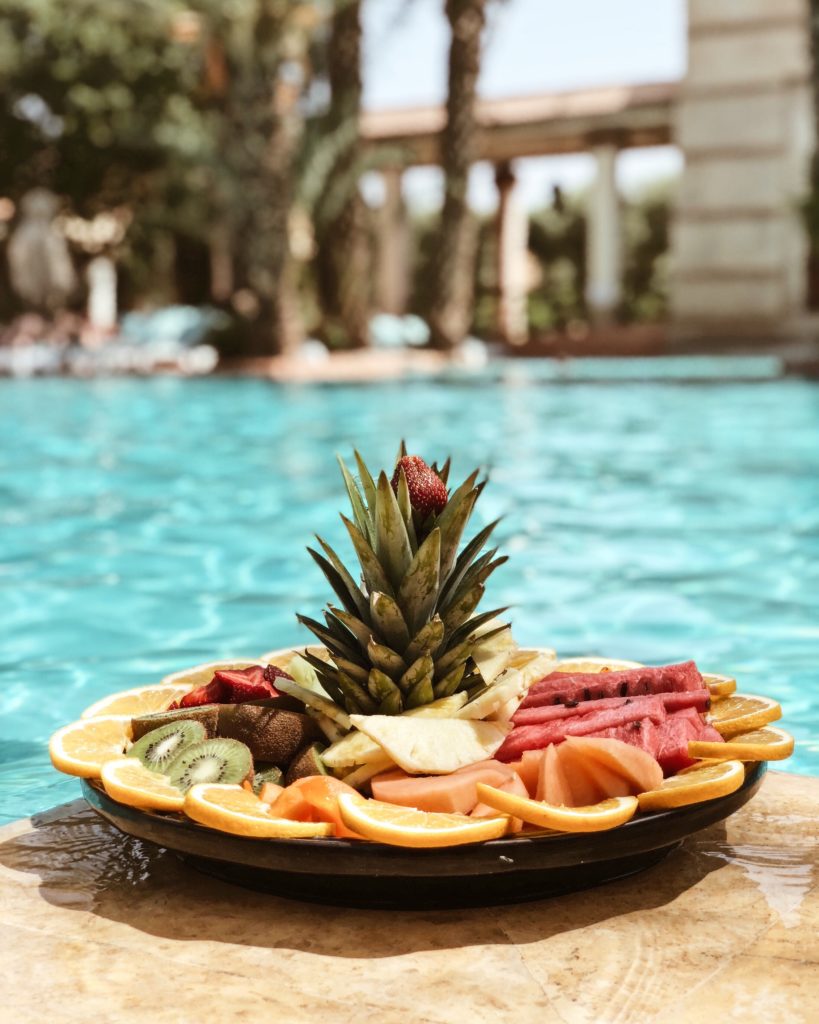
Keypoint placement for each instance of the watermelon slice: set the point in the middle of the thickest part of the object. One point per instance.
(532, 715)
(536, 737)
(561, 688)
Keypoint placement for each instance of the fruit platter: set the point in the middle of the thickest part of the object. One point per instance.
(415, 754)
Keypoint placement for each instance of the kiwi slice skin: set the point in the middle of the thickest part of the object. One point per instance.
(216, 760)
(159, 748)
(306, 763)
(272, 735)
(207, 715)
(268, 773)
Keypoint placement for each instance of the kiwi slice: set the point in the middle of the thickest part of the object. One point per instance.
(268, 773)
(160, 747)
(307, 762)
(272, 735)
(217, 760)
(207, 714)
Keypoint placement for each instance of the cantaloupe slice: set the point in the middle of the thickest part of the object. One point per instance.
(528, 768)
(636, 766)
(581, 781)
(552, 783)
(514, 785)
(445, 794)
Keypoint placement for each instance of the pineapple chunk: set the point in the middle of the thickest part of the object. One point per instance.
(357, 748)
(525, 668)
(493, 655)
(432, 746)
(365, 772)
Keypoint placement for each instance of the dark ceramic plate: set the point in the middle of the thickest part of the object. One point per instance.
(355, 873)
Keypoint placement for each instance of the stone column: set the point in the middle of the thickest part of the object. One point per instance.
(512, 227)
(101, 275)
(603, 237)
(393, 279)
(744, 124)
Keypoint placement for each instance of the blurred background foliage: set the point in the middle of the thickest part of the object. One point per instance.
(226, 134)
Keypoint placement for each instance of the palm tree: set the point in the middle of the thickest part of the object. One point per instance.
(811, 204)
(452, 277)
(342, 263)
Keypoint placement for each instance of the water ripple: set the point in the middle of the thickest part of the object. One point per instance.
(147, 525)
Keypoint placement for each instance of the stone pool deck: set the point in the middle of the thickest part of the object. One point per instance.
(95, 926)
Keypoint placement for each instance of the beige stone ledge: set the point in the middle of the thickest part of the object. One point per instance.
(96, 926)
(703, 14)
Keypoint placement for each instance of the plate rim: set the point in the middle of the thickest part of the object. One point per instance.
(641, 834)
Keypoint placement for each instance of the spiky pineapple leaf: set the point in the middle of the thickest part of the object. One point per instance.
(465, 559)
(334, 644)
(388, 621)
(367, 482)
(422, 693)
(419, 588)
(405, 507)
(352, 668)
(451, 681)
(371, 568)
(453, 519)
(380, 685)
(472, 625)
(479, 572)
(454, 656)
(341, 582)
(386, 659)
(392, 545)
(356, 502)
(460, 610)
(427, 640)
(417, 672)
(361, 630)
(356, 693)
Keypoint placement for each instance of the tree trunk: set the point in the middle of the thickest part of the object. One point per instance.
(812, 210)
(452, 266)
(343, 258)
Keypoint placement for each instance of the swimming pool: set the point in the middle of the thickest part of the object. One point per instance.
(152, 524)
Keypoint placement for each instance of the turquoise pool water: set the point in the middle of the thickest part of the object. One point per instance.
(150, 525)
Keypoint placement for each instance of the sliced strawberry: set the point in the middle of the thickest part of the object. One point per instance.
(234, 686)
(213, 693)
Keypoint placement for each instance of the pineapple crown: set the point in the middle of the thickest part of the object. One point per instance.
(404, 634)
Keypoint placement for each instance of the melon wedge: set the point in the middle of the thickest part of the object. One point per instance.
(447, 794)
(552, 784)
(512, 785)
(579, 777)
(640, 769)
(528, 768)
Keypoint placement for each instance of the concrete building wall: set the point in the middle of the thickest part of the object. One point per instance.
(744, 123)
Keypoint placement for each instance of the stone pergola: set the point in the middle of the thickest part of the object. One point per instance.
(742, 117)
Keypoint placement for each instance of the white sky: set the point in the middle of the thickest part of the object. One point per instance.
(531, 46)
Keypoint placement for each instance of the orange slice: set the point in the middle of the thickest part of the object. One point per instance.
(201, 675)
(719, 686)
(768, 744)
(129, 782)
(230, 808)
(83, 747)
(140, 701)
(706, 783)
(593, 818)
(404, 826)
(742, 713)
